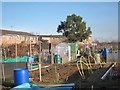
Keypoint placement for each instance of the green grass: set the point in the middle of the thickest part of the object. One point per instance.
(73, 61)
(8, 81)
(46, 82)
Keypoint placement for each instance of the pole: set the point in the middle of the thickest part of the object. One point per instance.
(30, 55)
(107, 56)
(16, 48)
(52, 59)
(40, 72)
(5, 54)
(40, 61)
(56, 73)
(3, 72)
(52, 54)
(30, 48)
(107, 72)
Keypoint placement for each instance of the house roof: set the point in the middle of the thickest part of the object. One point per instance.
(5, 32)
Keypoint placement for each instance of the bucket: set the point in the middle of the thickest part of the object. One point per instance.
(21, 76)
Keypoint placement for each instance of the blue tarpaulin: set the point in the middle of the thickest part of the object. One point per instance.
(27, 86)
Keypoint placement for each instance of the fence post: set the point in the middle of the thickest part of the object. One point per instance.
(40, 72)
(3, 72)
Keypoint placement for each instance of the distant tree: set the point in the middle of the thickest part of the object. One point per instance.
(74, 28)
(44, 40)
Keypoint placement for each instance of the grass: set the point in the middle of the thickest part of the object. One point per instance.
(47, 82)
(8, 81)
(73, 61)
(101, 83)
(8, 84)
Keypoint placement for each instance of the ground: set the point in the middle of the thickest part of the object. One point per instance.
(69, 74)
(56, 74)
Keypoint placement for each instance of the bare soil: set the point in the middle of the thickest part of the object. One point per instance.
(70, 74)
(63, 73)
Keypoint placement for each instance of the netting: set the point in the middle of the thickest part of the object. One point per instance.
(18, 59)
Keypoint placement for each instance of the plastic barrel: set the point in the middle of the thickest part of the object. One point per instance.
(104, 53)
(21, 76)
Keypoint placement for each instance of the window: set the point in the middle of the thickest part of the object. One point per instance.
(18, 37)
(27, 38)
(9, 37)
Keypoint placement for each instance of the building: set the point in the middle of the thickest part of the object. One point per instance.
(52, 38)
(17, 43)
(9, 37)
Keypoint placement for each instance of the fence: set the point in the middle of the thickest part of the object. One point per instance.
(8, 69)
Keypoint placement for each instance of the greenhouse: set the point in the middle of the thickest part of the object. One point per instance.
(63, 51)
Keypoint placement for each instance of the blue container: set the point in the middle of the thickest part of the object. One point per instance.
(104, 53)
(21, 76)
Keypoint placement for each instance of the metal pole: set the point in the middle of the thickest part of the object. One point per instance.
(104, 76)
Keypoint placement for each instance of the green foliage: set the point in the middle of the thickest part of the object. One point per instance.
(46, 82)
(74, 28)
(44, 40)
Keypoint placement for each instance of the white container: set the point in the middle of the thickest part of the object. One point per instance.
(97, 58)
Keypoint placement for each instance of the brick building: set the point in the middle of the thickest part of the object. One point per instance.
(9, 37)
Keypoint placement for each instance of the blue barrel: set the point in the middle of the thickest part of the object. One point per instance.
(104, 53)
(21, 76)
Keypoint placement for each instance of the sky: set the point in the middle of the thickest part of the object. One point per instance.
(44, 17)
(60, 0)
